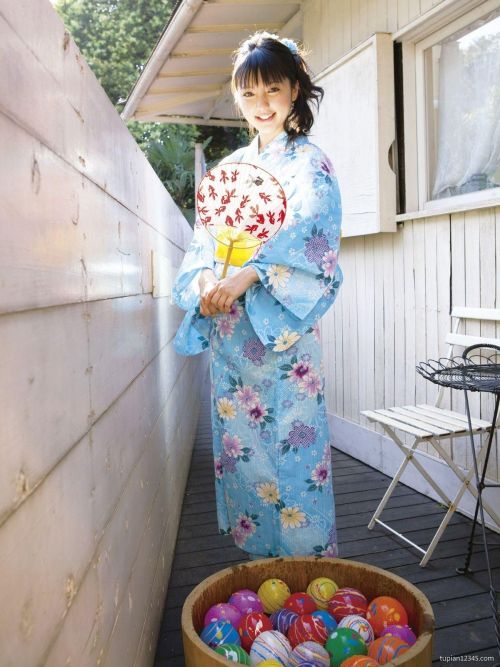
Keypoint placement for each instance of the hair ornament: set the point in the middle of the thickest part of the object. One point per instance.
(291, 45)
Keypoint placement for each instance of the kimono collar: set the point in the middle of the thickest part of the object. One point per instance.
(252, 153)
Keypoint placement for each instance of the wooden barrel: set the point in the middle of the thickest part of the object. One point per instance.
(297, 572)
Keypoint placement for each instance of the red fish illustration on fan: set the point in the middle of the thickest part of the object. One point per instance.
(242, 206)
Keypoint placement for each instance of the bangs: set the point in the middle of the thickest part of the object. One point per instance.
(261, 64)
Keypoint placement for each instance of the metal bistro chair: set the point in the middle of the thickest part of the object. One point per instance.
(431, 424)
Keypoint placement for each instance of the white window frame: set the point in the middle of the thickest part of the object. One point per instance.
(414, 42)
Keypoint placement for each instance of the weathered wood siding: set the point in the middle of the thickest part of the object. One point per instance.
(394, 307)
(95, 438)
(331, 28)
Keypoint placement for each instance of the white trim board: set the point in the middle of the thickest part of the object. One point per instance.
(378, 451)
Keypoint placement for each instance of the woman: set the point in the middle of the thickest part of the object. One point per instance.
(270, 433)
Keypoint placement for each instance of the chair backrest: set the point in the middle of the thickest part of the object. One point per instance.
(454, 338)
(478, 314)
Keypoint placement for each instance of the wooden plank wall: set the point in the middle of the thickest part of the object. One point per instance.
(393, 311)
(394, 307)
(95, 441)
(331, 28)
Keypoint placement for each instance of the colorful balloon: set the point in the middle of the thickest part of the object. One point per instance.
(346, 602)
(327, 619)
(273, 593)
(359, 661)
(223, 612)
(404, 632)
(342, 644)
(282, 619)
(246, 601)
(219, 632)
(385, 649)
(233, 653)
(310, 652)
(384, 611)
(270, 645)
(251, 626)
(359, 624)
(321, 590)
(300, 603)
(307, 628)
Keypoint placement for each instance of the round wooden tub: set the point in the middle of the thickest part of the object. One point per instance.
(297, 572)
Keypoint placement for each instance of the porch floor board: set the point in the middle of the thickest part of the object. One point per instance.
(464, 626)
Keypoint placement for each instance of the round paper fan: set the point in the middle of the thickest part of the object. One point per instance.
(242, 206)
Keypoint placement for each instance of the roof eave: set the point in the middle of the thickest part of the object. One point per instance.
(180, 19)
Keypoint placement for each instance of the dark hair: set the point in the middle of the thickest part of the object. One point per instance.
(264, 55)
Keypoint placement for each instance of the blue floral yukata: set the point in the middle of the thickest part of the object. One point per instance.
(271, 442)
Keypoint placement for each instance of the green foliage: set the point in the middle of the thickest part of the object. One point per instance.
(173, 160)
(225, 140)
(116, 37)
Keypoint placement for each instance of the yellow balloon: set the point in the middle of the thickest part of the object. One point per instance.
(272, 594)
(270, 663)
(321, 590)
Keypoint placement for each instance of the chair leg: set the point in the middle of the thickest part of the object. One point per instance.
(410, 457)
(397, 476)
(437, 534)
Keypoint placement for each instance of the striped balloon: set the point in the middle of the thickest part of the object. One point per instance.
(321, 590)
(309, 652)
(233, 653)
(347, 601)
(270, 645)
(385, 649)
(359, 624)
(282, 620)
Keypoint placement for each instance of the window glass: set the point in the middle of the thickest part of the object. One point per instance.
(462, 76)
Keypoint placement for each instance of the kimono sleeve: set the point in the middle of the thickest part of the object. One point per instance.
(298, 270)
(194, 332)
(199, 256)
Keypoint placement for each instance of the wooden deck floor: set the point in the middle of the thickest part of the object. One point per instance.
(464, 626)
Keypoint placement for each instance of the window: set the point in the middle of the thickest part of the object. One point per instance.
(454, 154)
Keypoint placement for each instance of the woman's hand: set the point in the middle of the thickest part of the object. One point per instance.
(207, 282)
(225, 292)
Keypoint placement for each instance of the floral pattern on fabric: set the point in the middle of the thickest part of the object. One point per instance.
(270, 434)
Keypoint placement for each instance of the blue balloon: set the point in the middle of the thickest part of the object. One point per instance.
(220, 632)
(328, 620)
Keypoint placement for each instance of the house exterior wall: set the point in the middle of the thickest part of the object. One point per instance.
(95, 441)
(394, 307)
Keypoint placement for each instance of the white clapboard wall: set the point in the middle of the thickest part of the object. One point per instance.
(95, 438)
(393, 310)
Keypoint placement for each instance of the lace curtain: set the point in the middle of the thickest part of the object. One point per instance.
(468, 114)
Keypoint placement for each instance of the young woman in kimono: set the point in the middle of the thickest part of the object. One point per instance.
(270, 434)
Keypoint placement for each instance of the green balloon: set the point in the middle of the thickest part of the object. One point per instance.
(233, 653)
(344, 643)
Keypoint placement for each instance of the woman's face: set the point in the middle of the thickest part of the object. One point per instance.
(266, 107)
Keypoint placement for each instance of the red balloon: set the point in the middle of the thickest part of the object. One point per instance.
(307, 628)
(300, 603)
(347, 601)
(251, 626)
